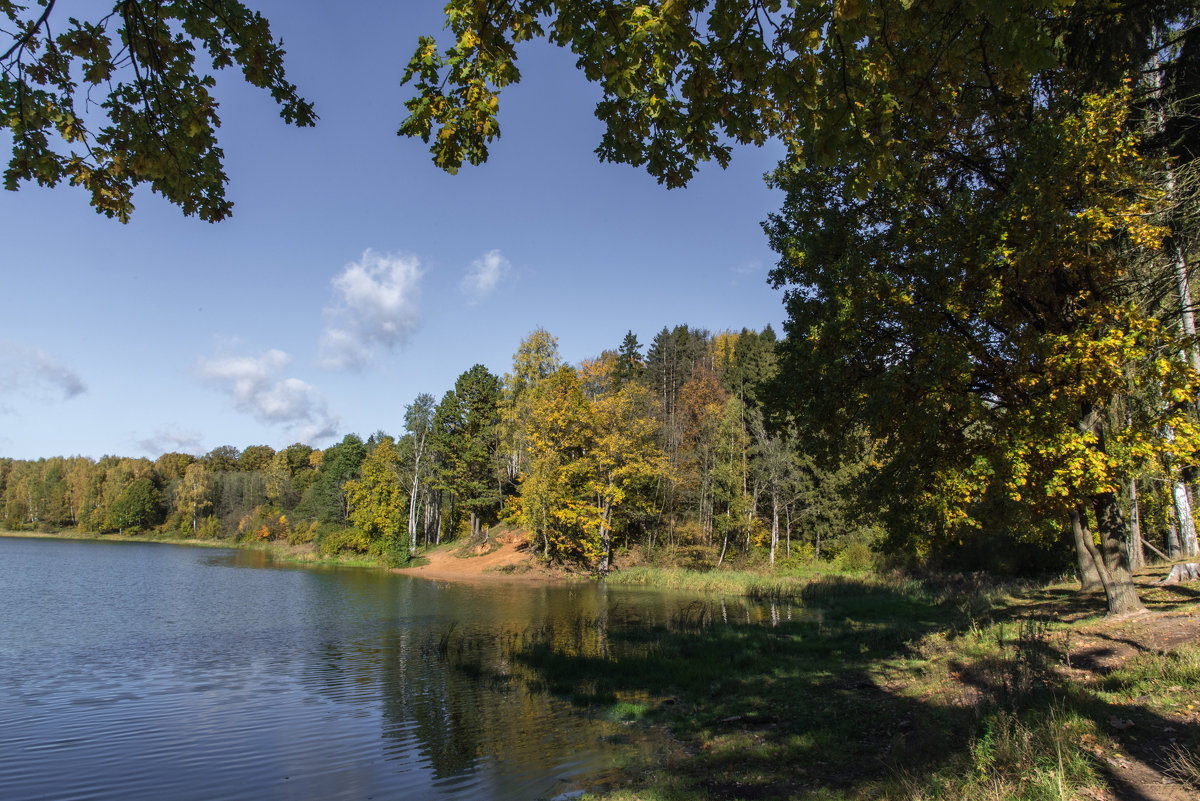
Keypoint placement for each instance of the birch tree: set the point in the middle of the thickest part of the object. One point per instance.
(418, 422)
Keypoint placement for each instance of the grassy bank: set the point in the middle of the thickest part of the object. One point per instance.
(894, 688)
(279, 551)
(92, 536)
(797, 583)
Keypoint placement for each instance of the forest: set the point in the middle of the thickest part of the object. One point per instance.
(987, 243)
(986, 239)
(677, 452)
(665, 450)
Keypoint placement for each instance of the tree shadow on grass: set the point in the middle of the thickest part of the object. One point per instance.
(838, 704)
(1069, 604)
(768, 711)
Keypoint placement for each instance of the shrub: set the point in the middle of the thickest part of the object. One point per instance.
(333, 540)
(210, 529)
(262, 523)
(856, 555)
(303, 533)
(395, 552)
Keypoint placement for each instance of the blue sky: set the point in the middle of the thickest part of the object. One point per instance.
(354, 274)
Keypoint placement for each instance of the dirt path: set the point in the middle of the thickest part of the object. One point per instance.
(505, 557)
(1146, 737)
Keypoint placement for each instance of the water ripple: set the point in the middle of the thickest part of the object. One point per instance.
(138, 672)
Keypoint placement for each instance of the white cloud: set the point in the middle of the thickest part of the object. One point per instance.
(33, 372)
(483, 277)
(163, 441)
(257, 386)
(747, 269)
(376, 307)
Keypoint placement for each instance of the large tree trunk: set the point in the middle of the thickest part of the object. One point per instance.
(1181, 542)
(1120, 589)
(1182, 572)
(1187, 317)
(1187, 526)
(1183, 514)
(1174, 549)
(1089, 572)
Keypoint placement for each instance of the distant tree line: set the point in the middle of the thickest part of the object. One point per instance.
(675, 451)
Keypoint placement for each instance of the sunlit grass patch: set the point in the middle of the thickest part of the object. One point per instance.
(899, 687)
(1149, 673)
(623, 711)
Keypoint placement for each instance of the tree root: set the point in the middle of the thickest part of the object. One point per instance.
(1182, 572)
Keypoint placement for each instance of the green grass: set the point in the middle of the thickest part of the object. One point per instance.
(887, 688)
(623, 711)
(754, 584)
(170, 539)
(883, 687)
(1151, 673)
(280, 551)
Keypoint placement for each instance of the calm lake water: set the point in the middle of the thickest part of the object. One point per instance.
(142, 671)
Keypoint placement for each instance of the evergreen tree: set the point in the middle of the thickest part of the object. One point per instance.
(629, 365)
(325, 499)
(476, 443)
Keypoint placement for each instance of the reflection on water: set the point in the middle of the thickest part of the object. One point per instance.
(139, 671)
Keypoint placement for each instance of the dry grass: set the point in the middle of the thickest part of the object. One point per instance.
(1183, 766)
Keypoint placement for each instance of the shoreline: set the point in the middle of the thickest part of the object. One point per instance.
(504, 559)
(502, 564)
(912, 668)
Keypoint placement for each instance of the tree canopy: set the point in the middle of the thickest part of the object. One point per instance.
(124, 97)
(985, 243)
(972, 216)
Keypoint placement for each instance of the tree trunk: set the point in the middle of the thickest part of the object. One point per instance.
(1182, 572)
(1137, 555)
(774, 525)
(1183, 507)
(1174, 551)
(788, 512)
(1187, 317)
(606, 548)
(1085, 557)
(1120, 589)
(1183, 514)
(429, 515)
(412, 515)
(418, 451)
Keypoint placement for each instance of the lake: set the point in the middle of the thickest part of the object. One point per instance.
(146, 671)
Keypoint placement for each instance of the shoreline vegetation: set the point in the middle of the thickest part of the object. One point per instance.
(903, 686)
(913, 688)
